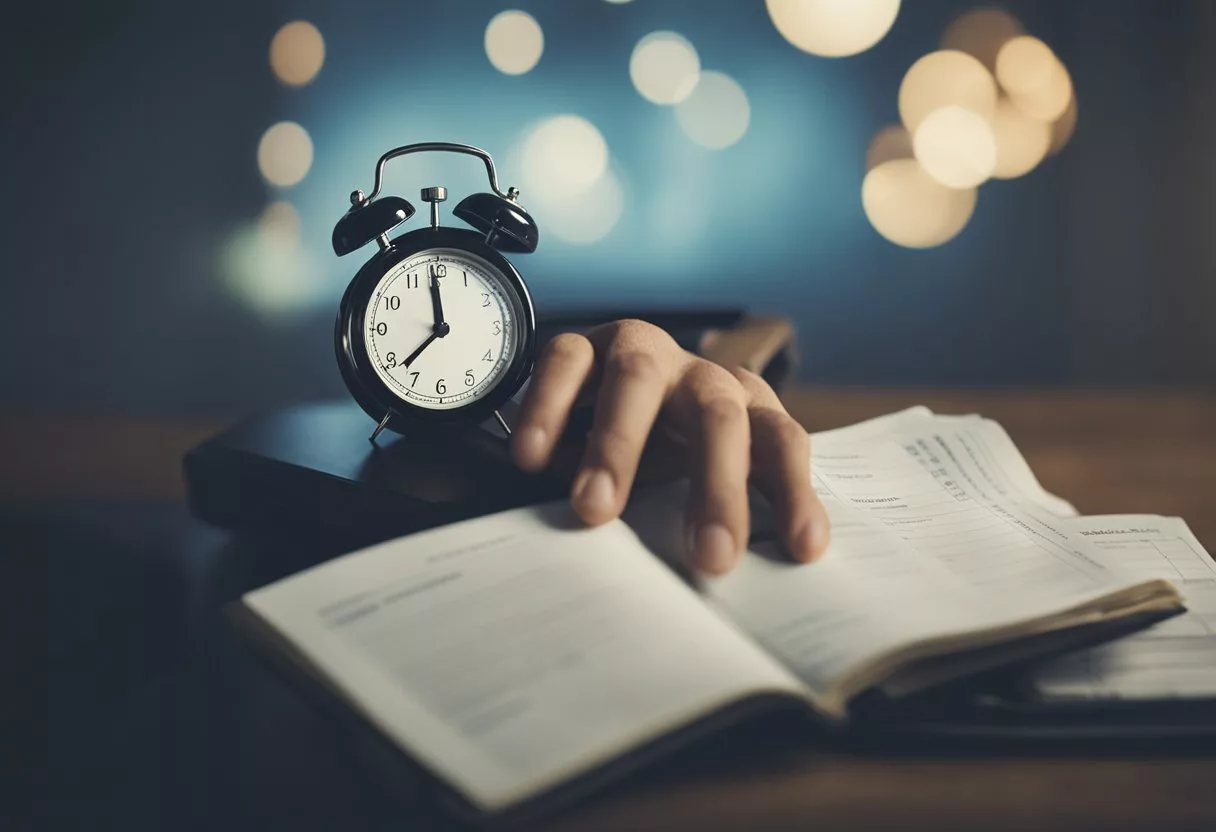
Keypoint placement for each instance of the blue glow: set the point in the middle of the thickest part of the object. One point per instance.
(694, 219)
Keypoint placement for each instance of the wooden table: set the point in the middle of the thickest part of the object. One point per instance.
(1107, 453)
(1151, 452)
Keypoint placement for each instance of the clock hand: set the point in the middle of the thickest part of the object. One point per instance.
(414, 355)
(441, 326)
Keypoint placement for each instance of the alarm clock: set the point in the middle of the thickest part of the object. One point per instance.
(437, 328)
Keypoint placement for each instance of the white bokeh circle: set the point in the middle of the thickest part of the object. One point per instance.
(717, 113)
(956, 147)
(664, 67)
(563, 156)
(943, 79)
(588, 217)
(279, 223)
(1021, 141)
(1036, 80)
(285, 154)
(297, 52)
(514, 42)
(272, 274)
(912, 209)
(833, 28)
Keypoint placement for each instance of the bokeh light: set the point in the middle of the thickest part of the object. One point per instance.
(717, 113)
(280, 222)
(981, 33)
(833, 28)
(285, 154)
(514, 42)
(1034, 77)
(587, 218)
(566, 179)
(297, 52)
(268, 271)
(664, 67)
(563, 157)
(1063, 127)
(891, 142)
(955, 146)
(945, 79)
(912, 209)
(1021, 141)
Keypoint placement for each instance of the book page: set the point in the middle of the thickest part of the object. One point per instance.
(998, 463)
(1176, 658)
(516, 650)
(933, 534)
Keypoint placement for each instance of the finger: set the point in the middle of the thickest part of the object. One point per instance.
(710, 406)
(632, 391)
(564, 366)
(781, 471)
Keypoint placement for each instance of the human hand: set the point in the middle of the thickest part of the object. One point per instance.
(731, 423)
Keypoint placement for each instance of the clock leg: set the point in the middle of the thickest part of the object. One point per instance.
(502, 423)
(383, 424)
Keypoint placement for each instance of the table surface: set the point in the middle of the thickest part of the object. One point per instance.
(1150, 452)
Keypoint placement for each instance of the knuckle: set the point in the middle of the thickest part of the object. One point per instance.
(744, 376)
(636, 364)
(631, 328)
(568, 347)
(723, 410)
(633, 334)
(789, 434)
(779, 428)
(757, 388)
(709, 380)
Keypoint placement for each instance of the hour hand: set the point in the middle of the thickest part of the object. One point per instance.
(414, 355)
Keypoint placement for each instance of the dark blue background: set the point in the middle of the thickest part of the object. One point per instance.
(129, 138)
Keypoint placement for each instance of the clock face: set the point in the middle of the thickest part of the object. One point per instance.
(440, 329)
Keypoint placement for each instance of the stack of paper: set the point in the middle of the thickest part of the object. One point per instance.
(864, 465)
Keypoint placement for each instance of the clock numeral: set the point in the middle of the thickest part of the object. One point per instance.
(411, 281)
(438, 270)
(392, 302)
(498, 327)
(468, 378)
(440, 387)
(466, 279)
(390, 359)
(414, 380)
(485, 299)
(487, 356)
(382, 328)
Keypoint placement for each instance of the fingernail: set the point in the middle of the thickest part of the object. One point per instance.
(715, 552)
(530, 444)
(593, 491)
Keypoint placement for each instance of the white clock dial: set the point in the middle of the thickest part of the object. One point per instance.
(440, 365)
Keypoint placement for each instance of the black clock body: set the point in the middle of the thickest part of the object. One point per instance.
(372, 394)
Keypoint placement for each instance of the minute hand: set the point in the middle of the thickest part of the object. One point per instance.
(436, 303)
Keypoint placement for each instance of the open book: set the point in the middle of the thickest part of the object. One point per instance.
(513, 654)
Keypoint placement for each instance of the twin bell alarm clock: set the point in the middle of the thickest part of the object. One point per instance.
(437, 327)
